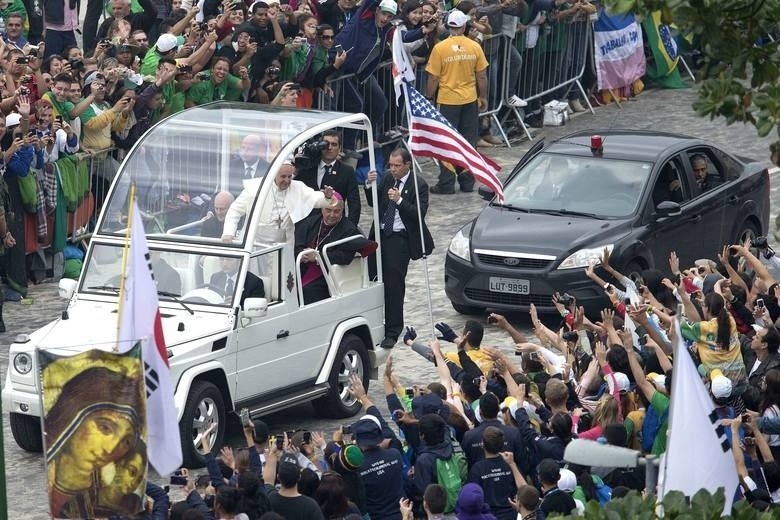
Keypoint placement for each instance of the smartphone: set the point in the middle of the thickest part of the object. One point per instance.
(245, 419)
(346, 429)
(760, 303)
(280, 442)
(338, 48)
(58, 119)
(177, 479)
(307, 437)
(410, 392)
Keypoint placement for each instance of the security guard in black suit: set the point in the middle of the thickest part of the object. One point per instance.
(400, 229)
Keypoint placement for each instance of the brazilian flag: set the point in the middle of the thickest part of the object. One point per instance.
(663, 68)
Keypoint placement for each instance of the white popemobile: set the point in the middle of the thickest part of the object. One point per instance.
(271, 354)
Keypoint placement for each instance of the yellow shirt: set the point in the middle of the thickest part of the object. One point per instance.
(478, 356)
(455, 61)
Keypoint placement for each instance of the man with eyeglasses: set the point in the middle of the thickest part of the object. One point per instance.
(330, 171)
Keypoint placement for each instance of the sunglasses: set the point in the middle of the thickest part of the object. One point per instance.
(326, 36)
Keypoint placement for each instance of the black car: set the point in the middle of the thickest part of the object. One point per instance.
(633, 192)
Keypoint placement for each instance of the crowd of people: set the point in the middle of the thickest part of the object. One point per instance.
(484, 437)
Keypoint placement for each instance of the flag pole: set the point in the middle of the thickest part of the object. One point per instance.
(125, 256)
(415, 169)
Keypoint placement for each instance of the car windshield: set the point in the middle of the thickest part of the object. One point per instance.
(180, 165)
(184, 277)
(573, 184)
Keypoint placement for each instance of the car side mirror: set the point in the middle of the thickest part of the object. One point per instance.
(255, 308)
(486, 193)
(66, 288)
(667, 208)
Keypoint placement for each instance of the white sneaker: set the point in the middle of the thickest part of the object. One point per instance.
(515, 101)
(576, 105)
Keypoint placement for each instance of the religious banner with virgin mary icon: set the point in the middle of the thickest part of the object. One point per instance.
(94, 425)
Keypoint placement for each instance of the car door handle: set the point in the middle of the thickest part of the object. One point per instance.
(733, 199)
(282, 334)
(694, 218)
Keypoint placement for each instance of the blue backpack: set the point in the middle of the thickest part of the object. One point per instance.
(650, 427)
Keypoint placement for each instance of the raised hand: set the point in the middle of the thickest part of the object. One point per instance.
(447, 334)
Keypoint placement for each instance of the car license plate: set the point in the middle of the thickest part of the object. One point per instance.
(509, 285)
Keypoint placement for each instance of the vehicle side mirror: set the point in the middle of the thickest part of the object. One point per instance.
(66, 288)
(667, 208)
(255, 308)
(486, 193)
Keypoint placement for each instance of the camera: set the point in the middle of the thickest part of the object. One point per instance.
(410, 392)
(571, 336)
(203, 76)
(566, 300)
(760, 303)
(346, 429)
(762, 244)
(24, 91)
(22, 59)
(245, 419)
(272, 71)
(203, 26)
(183, 69)
(309, 154)
(177, 479)
(105, 42)
(76, 64)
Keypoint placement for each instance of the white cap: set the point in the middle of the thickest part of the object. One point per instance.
(457, 18)
(167, 42)
(622, 381)
(720, 385)
(13, 119)
(568, 481)
(388, 6)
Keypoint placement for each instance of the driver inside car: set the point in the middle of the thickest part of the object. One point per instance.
(224, 281)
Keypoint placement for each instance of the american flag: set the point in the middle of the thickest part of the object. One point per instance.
(433, 136)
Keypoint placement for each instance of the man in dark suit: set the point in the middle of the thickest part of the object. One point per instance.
(400, 228)
(316, 231)
(224, 282)
(247, 163)
(332, 172)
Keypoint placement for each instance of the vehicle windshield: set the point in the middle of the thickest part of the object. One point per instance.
(181, 165)
(574, 184)
(186, 277)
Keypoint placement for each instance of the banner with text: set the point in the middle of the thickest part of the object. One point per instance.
(618, 50)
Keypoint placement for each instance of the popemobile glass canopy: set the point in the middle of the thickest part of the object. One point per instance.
(181, 163)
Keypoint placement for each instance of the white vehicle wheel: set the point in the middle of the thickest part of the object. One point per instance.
(351, 358)
(205, 405)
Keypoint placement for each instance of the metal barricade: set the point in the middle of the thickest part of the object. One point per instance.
(554, 59)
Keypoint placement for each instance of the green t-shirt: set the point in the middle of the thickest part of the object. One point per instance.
(660, 403)
(59, 109)
(206, 91)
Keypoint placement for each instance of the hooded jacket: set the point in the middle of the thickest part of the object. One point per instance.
(425, 465)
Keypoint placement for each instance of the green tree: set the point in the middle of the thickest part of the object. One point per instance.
(739, 76)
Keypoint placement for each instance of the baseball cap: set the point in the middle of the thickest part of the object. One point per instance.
(388, 6)
(428, 403)
(622, 381)
(720, 385)
(568, 481)
(13, 119)
(457, 19)
(167, 42)
(288, 468)
(367, 431)
(657, 379)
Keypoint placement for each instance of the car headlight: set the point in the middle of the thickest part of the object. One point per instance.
(459, 245)
(23, 363)
(584, 257)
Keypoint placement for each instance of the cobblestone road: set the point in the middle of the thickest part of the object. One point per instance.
(653, 110)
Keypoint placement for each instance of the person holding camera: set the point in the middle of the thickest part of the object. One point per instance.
(142, 20)
(287, 95)
(218, 85)
(325, 168)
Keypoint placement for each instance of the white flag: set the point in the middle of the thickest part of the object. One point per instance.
(140, 320)
(402, 70)
(698, 454)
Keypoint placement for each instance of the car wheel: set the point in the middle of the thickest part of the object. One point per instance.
(27, 432)
(467, 309)
(351, 358)
(205, 405)
(633, 270)
(749, 232)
